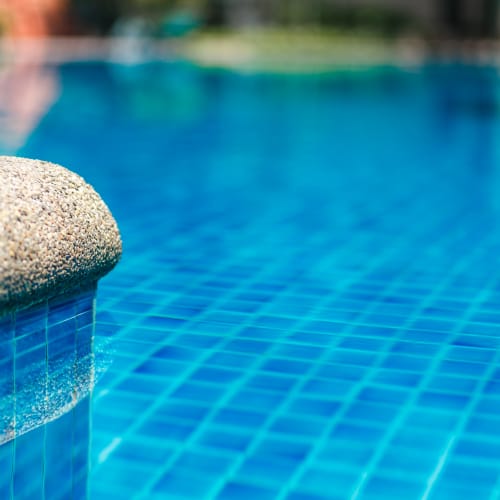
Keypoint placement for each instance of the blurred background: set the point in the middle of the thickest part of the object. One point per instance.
(428, 18)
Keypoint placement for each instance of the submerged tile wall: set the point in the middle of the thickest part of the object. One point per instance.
(51, 461)
(46, 372)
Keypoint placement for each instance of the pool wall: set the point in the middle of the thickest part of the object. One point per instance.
(62, 443)
(47, 360)
(47, 371)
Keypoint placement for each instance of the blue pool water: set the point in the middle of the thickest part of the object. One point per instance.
(308, 301)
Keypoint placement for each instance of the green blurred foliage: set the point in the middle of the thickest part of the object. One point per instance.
(98, 16)
(380, 20)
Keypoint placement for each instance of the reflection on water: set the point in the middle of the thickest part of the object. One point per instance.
(46, 374)
(27, 90)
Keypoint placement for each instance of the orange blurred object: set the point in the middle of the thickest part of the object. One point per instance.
(34, 18)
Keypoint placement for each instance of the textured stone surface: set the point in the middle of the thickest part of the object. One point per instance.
(55, 232)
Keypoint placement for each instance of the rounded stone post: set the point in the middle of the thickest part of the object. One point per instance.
(57, 238)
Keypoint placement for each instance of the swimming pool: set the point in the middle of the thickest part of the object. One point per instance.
(307, 306)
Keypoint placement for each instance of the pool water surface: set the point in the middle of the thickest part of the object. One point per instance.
(308, 302)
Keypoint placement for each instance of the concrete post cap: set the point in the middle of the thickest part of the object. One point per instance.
(56, 233)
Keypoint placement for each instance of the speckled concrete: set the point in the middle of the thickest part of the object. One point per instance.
(56, 233)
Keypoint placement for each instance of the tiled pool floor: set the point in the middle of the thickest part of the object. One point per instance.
(308, 303)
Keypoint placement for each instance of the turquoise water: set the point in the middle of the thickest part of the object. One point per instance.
(307, 306)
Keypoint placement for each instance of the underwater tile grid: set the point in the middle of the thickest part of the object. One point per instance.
(350, 400)
(307, 306)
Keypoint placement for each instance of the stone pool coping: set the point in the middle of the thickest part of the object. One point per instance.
(248, 51)
(56, 233)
